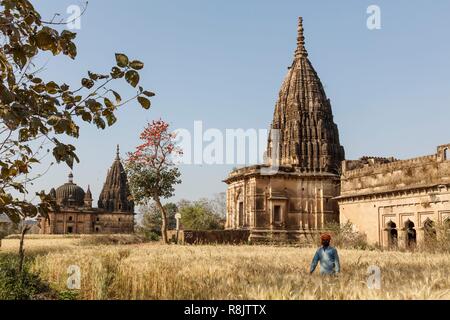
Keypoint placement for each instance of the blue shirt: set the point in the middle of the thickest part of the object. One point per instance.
(329, 260)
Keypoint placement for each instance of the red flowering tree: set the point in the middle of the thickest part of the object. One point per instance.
(151, 171)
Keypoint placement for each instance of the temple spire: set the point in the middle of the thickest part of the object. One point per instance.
(118, 153)
(301, 50)
(115, 193)
(309, 138)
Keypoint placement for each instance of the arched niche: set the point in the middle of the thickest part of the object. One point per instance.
(392, 233)
(429, 230)
(411, 234)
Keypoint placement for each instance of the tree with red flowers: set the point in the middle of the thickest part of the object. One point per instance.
(151, 170)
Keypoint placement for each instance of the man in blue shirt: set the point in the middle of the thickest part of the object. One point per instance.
(327, 256)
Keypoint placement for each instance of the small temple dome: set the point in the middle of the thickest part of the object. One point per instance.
(69, 194)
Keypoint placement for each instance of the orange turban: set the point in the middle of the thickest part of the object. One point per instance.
(325, 237)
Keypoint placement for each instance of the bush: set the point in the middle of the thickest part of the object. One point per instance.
(25, 285)
(345, 236)
(438, 240)
(199, 216)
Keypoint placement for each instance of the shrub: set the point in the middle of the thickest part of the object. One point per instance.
(438, 240)
(345, 236)
(25, 285)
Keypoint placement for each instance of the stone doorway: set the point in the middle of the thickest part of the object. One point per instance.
(241, 214)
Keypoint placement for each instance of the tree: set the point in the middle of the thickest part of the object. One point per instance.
(151, 171)
(218, 204)
(35, 113)
(151, 221)
(199, 215)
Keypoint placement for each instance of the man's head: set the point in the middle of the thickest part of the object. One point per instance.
(325, 239)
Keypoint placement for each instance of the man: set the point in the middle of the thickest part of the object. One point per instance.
(327, 256)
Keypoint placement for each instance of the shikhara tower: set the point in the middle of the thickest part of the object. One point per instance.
(309, 139)
(298, 199)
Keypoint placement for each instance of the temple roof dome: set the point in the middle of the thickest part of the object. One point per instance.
(70, 194)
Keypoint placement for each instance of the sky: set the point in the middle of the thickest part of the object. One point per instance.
(223, 62)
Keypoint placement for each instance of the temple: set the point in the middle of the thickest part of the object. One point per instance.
(115, 212)
(292, 195)
(306, 185)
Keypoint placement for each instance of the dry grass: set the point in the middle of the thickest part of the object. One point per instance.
(153, 271)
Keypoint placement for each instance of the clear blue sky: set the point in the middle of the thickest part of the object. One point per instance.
(223, 62)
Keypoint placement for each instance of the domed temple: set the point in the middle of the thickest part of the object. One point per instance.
(115, 212)
(292, 195)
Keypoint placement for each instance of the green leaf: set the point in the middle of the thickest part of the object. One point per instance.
(116, 73)
(110, 118)
(87, 83)
(45, 40)
(137, 65)
(122, 60)
(51, 87)
(108, 103)
(117, 96)
(149, 94)
(145, 103)
(99, 122)
(86, 116)
(132, 78)
(93, 76)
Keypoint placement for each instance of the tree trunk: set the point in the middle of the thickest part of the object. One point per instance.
(164, 221)
(25, 229)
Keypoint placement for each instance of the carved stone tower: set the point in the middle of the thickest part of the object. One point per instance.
(295, 198)
(308, 136)
(115, 193)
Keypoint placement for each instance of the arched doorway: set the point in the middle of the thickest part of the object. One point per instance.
(411, 234)
(447, 154)
(392, 234)
(429, 229)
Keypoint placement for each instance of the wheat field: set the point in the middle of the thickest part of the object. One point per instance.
(154, 271)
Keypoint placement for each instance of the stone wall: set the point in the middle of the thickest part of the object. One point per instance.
(87, 222)
(378, 196)
(365, 177)
(210, 237)
(289, 201)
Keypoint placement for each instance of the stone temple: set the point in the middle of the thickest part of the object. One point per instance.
(115, 212)
(299, 199)
(306, 184)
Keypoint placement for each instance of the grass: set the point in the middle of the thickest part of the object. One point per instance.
(154, 271)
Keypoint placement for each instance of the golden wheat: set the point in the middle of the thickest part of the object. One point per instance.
(153, 271)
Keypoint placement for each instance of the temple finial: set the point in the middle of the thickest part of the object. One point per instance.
(70, 177)
(301, 50)
(118, 153)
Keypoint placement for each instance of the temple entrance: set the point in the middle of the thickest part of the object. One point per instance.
(69, 230)
(277, 214)
(392, 234)
(411, 234)
(241, 214)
